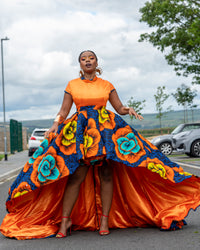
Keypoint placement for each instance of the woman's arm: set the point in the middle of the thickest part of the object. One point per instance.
(62, 114)
(66, 106)
(120, 108)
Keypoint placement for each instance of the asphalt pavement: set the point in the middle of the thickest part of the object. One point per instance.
(14, 164)
(126, 239)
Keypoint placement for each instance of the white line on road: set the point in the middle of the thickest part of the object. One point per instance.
(8, 179)
(187, 165)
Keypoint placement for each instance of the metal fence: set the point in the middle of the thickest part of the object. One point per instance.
(15, 136)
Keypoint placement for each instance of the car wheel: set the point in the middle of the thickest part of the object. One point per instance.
(30, 153)
(195, 148)
(165, 148)
(188, 154)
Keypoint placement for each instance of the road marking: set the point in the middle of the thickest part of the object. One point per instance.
(187, 165)
(8, 179)
(10, 172)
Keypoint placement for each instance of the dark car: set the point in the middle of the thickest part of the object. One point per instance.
(164, 142)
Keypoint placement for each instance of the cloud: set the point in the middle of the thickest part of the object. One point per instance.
(46, 38)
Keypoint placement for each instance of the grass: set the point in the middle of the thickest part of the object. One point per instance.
(1, 157)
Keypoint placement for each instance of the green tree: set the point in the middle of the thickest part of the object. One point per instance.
(184, 96)
(136, 105)
(192, 107)
(160, 98)
(177, 33)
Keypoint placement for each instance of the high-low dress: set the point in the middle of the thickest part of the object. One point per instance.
(149, 189)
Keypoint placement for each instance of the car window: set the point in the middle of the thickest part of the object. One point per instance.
(190, 127)
(39, 133)
(177, 129)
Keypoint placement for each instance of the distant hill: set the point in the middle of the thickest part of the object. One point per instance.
(171, 119)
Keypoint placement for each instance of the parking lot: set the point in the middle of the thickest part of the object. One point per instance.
(184, 159)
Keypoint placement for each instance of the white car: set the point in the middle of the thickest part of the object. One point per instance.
(35, 140)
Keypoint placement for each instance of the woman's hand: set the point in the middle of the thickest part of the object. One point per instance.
(131, 112)
(53, 129)
(120, 108)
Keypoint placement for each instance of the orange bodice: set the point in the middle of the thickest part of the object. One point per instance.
(89, 92)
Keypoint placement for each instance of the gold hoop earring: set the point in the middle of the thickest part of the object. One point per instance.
(81, 73)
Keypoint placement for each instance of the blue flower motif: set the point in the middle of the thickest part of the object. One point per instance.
(39, 151)
(47, 169)
(128, 144)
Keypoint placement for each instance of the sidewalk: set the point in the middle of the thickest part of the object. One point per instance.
(13, 165)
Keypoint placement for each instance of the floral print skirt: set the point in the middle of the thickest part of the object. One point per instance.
(149, 189)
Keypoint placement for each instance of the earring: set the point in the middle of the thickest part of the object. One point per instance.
(81, 73)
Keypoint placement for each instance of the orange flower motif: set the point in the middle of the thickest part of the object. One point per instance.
(48, 168)
(22, 189)
(26, 167)
(106, 120)
(91, 139)
(127, 146)
(66, 140)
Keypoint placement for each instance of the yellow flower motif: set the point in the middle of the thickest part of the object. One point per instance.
(20, 193)
(185, 173)
(103, 115)
(157, 168)
(22, 189)
(69, 133)
(87, 142)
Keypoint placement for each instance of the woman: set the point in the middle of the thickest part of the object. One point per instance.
(88, 63)
(94, 169)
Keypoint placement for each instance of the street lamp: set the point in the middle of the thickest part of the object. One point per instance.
(4, 113)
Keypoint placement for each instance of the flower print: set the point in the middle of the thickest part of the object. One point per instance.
(157, 168)
(22, 189)
(38, 152)
(164, 171)
(66, 140)
(127, 146)
(180, 175)
(181, 171)
(186, 173)
(91, 139)
(106, 119)
(51, 136)
(48, 167)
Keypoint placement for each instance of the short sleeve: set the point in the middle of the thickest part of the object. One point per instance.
(111, 87)
(68, 88)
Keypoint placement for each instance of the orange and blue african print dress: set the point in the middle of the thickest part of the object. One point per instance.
(149, 189)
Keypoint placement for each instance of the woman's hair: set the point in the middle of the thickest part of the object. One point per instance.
(79, 58)
(98, 70)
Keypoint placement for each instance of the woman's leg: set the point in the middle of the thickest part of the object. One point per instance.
(71, 195)
(106, 178)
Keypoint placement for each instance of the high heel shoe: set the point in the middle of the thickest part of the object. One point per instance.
(104, 232)
(68, 231)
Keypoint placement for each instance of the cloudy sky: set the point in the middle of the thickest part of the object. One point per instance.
(46, 38)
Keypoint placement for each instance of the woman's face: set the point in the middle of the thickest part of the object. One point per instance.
(88, 62)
